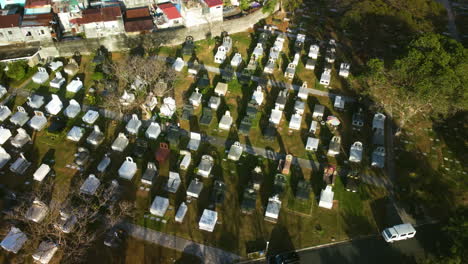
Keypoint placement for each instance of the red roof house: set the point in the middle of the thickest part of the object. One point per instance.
(170, 11)
(213, 3)
(138, 19)
(104, 14)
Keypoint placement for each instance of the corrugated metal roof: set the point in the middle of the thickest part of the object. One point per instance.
(110, 13)
(9, 21)
(139, 25)
(37, 20)
(137, 13)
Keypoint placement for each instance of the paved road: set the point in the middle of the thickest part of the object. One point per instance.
(452, 27)
(374, 249)
(206, 253)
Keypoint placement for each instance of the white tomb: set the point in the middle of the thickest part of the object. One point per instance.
(208, 220)
(185, 163)
(168, 108)
(273, 209)
(195, 98)
(194, 142)
(344, 70)
(173, 182)
(73, 109)
(14, 240)
(258, 95)
(159, 206)
(41, 76)
(127, 98)
(178, 64)
(153, 131)
(35, 101)
(334, 147)
(5, 134)
(133, 125)
(41, 172)
(236, 60)
(21, 138)
(75, 85)
(75, 134)
(128, 169)
(295, 122)
(45, 252)
(55, 65)
(221, 89)
(20, 117)
(378, 122)
(339, 103)
(220, 55)
(326, 197)
(181, 212)
(54, 106)
(5, 112)
(58, 81)
(38, 121)
(90, 117)
(235, 152)
(226, 121)
(120, 143)
(276, 116)
(96, 137)
(355, 152)
(205, 166)
(326, 77)
(303, 91)
(312, 144)
(5, 157)
(90, 185)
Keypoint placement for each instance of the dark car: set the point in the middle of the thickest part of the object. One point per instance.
(115, 237)
(285, 258)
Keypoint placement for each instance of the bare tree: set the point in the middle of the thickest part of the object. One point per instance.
(92, 214)
(145, 74)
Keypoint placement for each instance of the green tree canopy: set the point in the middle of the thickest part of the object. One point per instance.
(16, 70)
(431, 78)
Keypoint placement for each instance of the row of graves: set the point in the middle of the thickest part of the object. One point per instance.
(312, 56)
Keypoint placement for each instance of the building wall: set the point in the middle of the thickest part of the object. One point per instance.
(64, 20)
(196, 16)
(11, 35)
(137, 3)
(36, 34)
(103, 29)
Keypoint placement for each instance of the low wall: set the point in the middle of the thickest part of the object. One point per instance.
(166, 37)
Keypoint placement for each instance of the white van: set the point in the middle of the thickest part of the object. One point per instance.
(398, 232)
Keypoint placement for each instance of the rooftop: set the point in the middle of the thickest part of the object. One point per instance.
(10, 21)
(37, 20)
(137, 13)
(213, 3)
(100, 15)
(170, 10)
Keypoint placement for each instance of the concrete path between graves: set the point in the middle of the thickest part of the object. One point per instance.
(206, 253)
(269, 82)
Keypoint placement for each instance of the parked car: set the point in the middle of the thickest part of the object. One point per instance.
(398, 232)
(115, 237)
